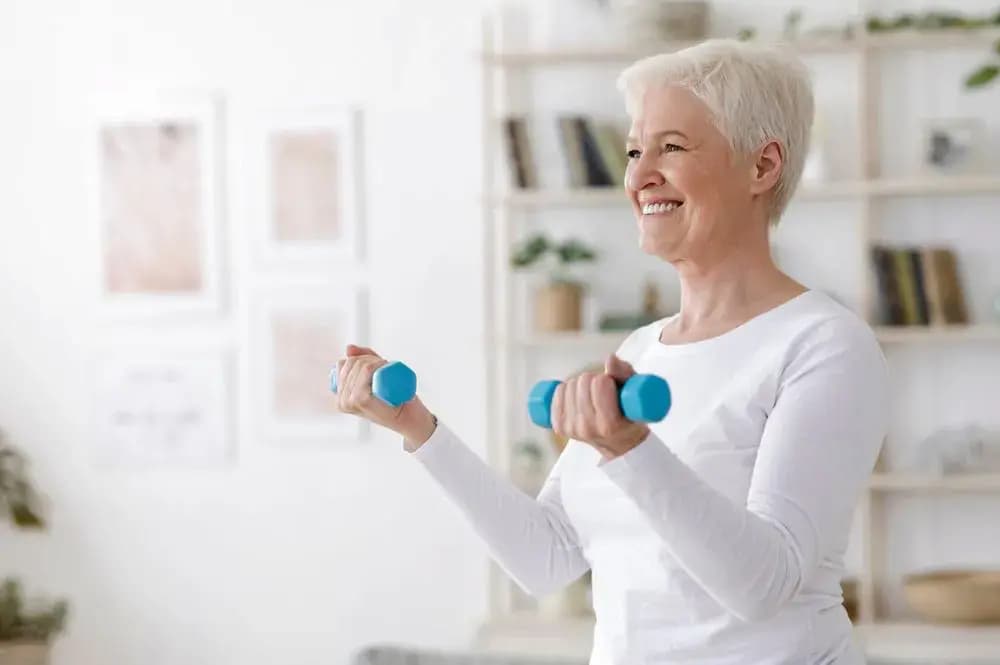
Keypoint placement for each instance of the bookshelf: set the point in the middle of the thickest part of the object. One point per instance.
(512, 628)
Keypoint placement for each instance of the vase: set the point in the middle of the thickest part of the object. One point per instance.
(658, 21)
(24, 653)
(558, 307)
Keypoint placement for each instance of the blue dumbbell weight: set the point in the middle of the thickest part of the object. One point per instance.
(643, 398)
(394, 383)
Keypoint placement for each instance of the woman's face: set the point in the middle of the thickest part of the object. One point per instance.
(691, 198)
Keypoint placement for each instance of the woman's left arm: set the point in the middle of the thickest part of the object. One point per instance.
(817, 450)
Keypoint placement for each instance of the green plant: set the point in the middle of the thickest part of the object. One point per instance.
(938, 20)
(538, 248)
(21, 624)
(18, 498)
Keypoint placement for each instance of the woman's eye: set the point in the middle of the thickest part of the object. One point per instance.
(633, 154)
(671, 147)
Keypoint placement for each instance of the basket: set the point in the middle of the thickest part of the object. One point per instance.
(955, 596)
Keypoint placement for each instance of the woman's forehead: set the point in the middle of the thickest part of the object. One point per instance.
(664, 109)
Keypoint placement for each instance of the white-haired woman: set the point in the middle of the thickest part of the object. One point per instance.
(717, 535)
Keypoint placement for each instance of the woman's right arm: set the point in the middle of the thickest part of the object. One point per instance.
(531, 539)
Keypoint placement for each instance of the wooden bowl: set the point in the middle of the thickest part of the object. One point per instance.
(955, 596)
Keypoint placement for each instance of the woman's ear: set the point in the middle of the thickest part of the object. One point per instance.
(767, 167)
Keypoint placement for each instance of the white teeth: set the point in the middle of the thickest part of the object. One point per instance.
(657, 208)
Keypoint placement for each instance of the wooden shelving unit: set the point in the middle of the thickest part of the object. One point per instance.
(510, 629)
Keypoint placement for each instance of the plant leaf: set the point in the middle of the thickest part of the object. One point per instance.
(982, 76)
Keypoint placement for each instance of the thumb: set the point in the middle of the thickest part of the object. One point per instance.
(355, 350)
(618, 369)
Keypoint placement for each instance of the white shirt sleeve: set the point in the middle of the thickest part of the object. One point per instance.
(531, 539)
(817, 450)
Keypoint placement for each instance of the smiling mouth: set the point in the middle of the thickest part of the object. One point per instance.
(661, 208)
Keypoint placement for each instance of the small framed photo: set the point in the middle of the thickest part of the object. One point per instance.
(160, 407)
(306, 168)
(158, 191)
(952, 145)
(300, 331)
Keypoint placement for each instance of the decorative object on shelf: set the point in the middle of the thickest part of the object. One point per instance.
(955, 596)
(658, 21)
(918, 286)
(849, 588)
(528, 469)
(952, 145)
(559, 303)
(968, 449)
(27, 628)
(938, 20)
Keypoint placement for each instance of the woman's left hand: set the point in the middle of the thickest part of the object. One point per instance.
(585, 408)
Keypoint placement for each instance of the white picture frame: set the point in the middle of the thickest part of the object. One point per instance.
(158, 201)
(299, 331)
(162, 406)
(306, 185)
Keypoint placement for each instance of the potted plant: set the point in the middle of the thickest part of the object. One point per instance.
(558, 303)
(27, 627)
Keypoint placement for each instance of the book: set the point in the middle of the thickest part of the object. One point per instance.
(906, 283)
(597, 173)
(923, 315)
(950, 292)
(888, 300)
(519, 155)
(572, 151)
(611, 145)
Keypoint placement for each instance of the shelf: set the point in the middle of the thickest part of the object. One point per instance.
(898, 41)
(528, 634)
(912, 482)
(926, 643)
(929, 185)
(950, 333)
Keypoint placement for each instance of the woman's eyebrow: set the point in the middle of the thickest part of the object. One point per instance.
(665, 132)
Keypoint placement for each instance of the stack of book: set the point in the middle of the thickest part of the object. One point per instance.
(593, 152)
(918, 286)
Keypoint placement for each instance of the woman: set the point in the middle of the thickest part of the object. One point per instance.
(718, 535)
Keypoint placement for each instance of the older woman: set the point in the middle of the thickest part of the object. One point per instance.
(718, 535)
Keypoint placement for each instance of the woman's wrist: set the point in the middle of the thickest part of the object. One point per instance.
(419, 435)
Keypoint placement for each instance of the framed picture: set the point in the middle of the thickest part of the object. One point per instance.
(306, 186)
(299, 334)
(158, 203)
(160, 406)
(952, 145)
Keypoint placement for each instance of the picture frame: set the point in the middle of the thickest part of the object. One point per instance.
(299, 331)
(952, 146)
(306, 170)
(163, 406)
(158, 202)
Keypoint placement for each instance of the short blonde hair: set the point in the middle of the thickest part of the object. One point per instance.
(755, 93)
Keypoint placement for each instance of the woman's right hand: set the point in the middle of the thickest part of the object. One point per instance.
(412, 420)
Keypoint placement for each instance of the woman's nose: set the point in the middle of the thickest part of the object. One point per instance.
(642, 173)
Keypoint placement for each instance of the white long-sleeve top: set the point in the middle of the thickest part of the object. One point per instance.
(720, 538)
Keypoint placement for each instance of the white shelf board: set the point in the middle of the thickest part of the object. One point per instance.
(946, 333)
(526, 633)
(912, 482)
(926, 643)
(931, 185)
(888, 41)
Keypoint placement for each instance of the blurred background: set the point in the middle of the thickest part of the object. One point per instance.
(202, 203)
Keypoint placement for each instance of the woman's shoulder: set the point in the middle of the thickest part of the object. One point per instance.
(829, 328)
(641, 339)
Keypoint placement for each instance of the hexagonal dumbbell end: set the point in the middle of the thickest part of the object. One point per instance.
(394, 383)
(540, 403)
(644, 398)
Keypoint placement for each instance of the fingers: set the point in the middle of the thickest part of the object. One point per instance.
(618, 369)
(355, 350)
(354, 394)
(604, 396)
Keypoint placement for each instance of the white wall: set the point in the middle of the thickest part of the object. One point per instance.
(301, 554)
(295, 554)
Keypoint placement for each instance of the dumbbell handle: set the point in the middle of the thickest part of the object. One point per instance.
(393, 383)
(642, 398)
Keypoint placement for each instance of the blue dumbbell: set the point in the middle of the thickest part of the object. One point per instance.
(643, 398)
(395, 383)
